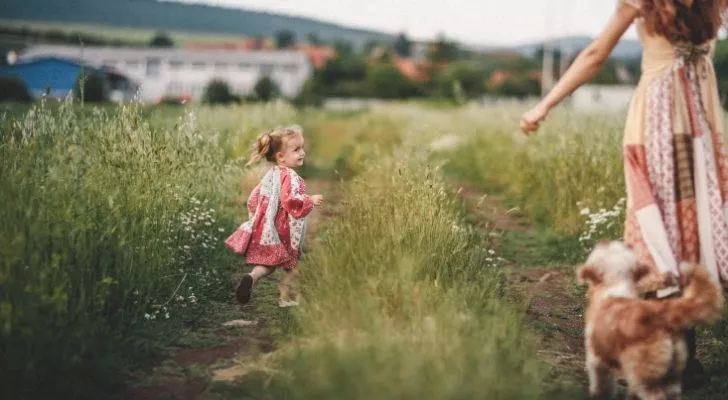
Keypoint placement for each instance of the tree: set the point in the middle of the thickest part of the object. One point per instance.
(349, 68)
(518, 85)
(461, 79)
(218, 92)
(92, 87)
(13, 89)
(314, 39)
(344, 48)
(443, 50)
(285, 39)
(402, 45)
(385, 81)
(266, 89)
(369, 46)
(721, 69)
(309, 96)
(161, 39)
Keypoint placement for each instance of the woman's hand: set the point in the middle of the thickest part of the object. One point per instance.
(317, 199)
(531, 120)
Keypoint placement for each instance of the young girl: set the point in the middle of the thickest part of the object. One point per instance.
(674, 158)
(273, 236)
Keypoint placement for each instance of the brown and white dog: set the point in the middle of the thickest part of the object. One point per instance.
(641, 340)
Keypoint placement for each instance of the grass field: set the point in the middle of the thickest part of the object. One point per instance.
(441, 268)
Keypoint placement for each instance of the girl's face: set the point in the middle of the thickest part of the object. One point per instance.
(293, 153)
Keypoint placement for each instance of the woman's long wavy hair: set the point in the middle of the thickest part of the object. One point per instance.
(696, 21)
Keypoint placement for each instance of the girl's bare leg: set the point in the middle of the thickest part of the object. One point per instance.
(287, 287)
(245, 288)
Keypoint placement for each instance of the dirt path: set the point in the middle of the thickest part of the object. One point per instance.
(550, 297)
(205, 358)
(541, 277)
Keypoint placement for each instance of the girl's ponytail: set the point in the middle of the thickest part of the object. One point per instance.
(271, 142)
(262, 148)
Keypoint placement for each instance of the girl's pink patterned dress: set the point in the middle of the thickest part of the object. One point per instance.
(278, 207)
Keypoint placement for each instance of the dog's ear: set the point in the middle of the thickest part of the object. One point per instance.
(590, 274)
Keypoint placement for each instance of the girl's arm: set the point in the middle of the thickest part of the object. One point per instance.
(293, 196)
(585, 67)
(253, 200)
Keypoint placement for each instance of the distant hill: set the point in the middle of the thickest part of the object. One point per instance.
(172, 16)
(179, 17)
(625, 50)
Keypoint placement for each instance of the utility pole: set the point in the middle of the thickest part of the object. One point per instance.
(547, 69)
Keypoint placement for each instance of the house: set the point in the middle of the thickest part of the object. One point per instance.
(607, 98)
(173, 72)
(414, 69)
(318, 55)
(56, 77)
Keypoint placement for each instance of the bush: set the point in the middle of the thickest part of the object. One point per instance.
(92, 87)
(13, 89)
(266, 89)
(218, 92)
(386, 82)
(460, 82)
(309, 95)
(161, 39)
(519, 86)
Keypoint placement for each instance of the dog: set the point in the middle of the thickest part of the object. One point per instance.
(640, 340)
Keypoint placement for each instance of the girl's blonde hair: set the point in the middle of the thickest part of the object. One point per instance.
(271, 142)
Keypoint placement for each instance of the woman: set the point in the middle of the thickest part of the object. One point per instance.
(674, 157)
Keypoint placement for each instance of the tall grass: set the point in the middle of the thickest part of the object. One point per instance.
(403, 302)
(110, 231)
(573, 163)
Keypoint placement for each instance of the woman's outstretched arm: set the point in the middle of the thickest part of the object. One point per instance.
(585, 67)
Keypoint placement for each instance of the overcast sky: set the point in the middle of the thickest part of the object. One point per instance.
(485, 22)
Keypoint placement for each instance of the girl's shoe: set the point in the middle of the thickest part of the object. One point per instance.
(244, 289)
(287, 303)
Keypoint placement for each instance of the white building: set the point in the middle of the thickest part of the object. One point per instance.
(602, 97)
(172, 72)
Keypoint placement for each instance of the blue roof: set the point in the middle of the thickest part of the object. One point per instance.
(54, 75)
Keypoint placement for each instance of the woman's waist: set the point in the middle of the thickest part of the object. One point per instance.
(653, 67)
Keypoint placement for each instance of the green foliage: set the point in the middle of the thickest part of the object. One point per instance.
(285, 39)
(218, 92)
(161, 39)
(519, 86)
(92, 87)
(414, 313)
(721, 68)
(341, 77)
(56, 36)
(573, 163)
(178, 16)
(13, 89)
(460, 80)
(386, 82)
(443, 50)
(308, 96)
(344, 48)
(266, 89)
(402, 45)
(314, 39)
(110, 240)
